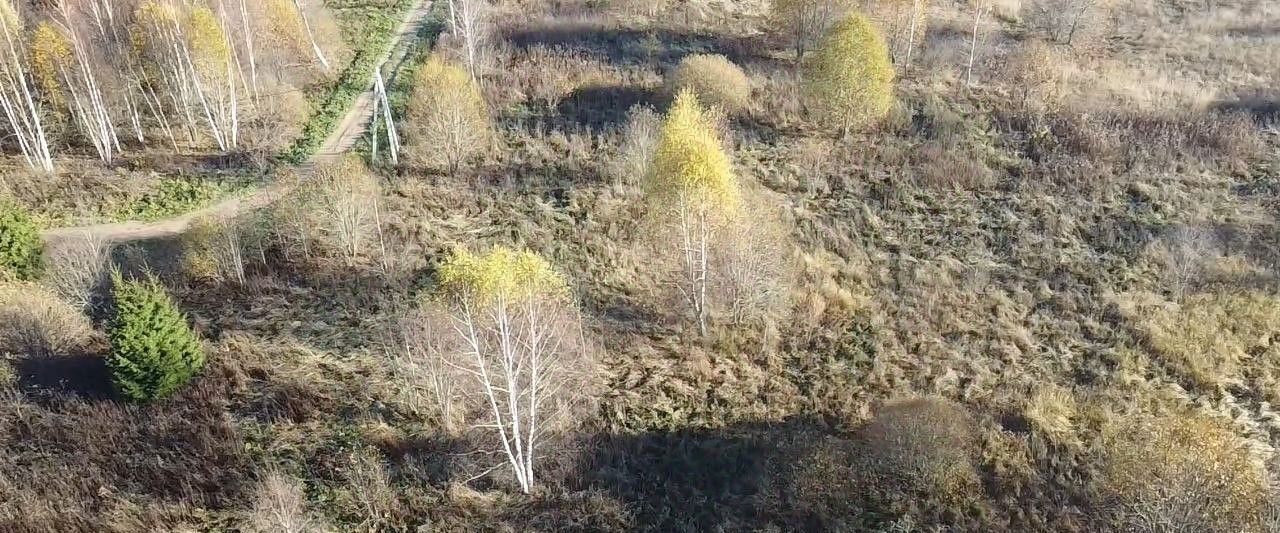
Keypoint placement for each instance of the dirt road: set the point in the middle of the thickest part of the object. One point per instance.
(354, 125)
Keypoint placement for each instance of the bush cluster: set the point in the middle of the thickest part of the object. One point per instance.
(153, 350)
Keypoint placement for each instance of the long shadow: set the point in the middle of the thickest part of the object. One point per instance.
(1261, 108)
(81, 376)
(745, 477)
(617, 45)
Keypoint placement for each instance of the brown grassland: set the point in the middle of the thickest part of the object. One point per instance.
(1045, 300)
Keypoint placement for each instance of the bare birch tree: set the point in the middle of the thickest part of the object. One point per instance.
(471, 25)
(17, 96)
(343, 197)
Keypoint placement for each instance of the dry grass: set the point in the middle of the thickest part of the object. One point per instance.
(1183, 472)
(1211, 339)
(38, 323)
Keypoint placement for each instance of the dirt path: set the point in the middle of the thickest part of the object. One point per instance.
(354, 125)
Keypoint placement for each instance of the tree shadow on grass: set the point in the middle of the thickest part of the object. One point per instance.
(744, 477)
(83, 376)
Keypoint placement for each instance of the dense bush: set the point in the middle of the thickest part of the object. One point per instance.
(21, 249)
(448, 120)
(153, 350)
(716, 80)
(848, 80)
(921, 446)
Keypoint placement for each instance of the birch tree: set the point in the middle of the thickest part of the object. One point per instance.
(515, 348)
(470, 19)
(695, 193)
(17, 95)
(68, 73)
(188, 59)
(448, 120)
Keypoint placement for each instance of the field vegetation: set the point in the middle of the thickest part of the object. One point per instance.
(802, 265)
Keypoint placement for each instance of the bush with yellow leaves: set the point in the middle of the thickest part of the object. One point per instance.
(448, 120)
(1181, 472)
(848, 80)
(501, 344)
(714, 79)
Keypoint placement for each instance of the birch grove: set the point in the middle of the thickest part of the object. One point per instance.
(97, 74)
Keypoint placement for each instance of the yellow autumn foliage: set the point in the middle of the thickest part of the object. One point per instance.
(690, 167)
(500, 273)
(210, 50)
(848, 80)
(50, 51)
(9, 17)
(284, 26)
(447, 115)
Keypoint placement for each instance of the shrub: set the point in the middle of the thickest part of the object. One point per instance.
(448, 120)
(77, 269)
(341, 199)
(280, 505)
(716, 80)
(21, 248)
(639, 142)
(1182, 472)
(921, 446)
(1070, 22)
(214, 249)
(848, 80)
(153, 350)
(37, 323)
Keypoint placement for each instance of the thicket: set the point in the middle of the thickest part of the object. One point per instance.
(154, 352)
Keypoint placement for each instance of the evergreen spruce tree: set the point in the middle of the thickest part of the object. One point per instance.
(153, 350)
(21, 249)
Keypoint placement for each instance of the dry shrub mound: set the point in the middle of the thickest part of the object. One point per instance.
(77, 269)
(921, 446)
(36, 322)
(717, 81)
(1182, 472)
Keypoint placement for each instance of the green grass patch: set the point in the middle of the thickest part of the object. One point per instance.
(370, 31)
